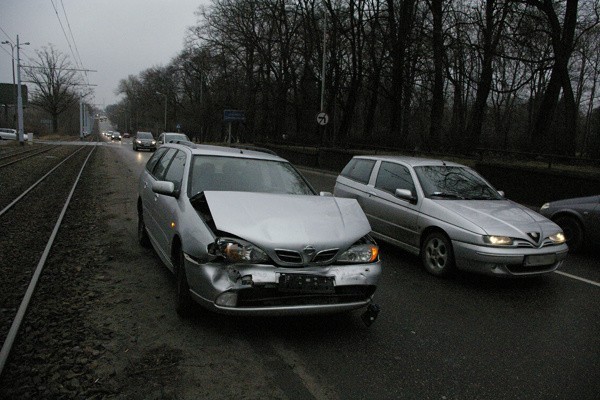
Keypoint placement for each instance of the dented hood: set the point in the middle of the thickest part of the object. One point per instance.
(275, 221)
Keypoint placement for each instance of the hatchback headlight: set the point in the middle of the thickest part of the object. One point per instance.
(360, 253)
(498, 240)
(557, 238)
(238, 251)
(154, 142)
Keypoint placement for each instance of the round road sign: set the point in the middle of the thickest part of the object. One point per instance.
(322, 118)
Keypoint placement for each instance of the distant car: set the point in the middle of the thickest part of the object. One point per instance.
(115, 136)
(167, 137)
(144, 140)
(126, 135)
(451, 216)
(8, 134)
(579, 219)
(245, 234)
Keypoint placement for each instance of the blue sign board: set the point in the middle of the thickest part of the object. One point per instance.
(234, 115)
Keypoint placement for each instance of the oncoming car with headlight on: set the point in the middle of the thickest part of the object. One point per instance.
(245, 234)
(451, 216)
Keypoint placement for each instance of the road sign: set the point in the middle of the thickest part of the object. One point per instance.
(8, 93)
(322, 118)
(234, 115)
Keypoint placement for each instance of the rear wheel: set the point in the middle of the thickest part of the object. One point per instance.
(183, 300)
(142, 234)
(573, 232)
(437, 255)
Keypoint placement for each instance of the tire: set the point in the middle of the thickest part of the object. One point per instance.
(437, 255)
(184, 304)
(573, 232)
(143, 238)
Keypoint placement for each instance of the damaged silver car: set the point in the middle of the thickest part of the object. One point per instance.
(245, 234)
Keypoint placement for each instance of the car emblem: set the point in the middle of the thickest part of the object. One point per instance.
(534, 235)
(309, 253)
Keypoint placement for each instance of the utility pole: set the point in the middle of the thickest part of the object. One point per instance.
(19, 95)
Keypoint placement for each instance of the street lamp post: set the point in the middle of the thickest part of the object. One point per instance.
(19, 95)
(165, 108)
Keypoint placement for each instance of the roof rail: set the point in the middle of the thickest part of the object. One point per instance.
(254, 148)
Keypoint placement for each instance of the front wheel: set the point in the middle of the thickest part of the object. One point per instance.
(573, 232)
(183, 300)
(437, 255)
(142, 234)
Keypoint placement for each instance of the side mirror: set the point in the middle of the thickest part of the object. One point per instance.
(165, 187)
(325, 194)
(406, 194)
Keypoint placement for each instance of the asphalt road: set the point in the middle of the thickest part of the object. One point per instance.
(469, 337)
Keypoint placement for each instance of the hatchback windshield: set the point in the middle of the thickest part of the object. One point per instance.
(176, 136)
(245, 175)
(450, 182)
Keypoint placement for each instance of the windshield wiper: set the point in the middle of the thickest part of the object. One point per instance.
(447, 195)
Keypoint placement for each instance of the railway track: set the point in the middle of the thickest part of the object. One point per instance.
(30, 222)
(13, 158)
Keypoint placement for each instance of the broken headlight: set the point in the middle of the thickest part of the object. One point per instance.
(238, 251)
(363, 251)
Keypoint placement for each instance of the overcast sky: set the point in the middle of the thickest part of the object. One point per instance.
(116, 38)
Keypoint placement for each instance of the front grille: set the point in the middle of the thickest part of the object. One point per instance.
(524, 244)
(325, 256)
(289, 256)
(271, 297)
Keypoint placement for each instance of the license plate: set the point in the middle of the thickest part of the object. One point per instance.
(542, 259)
(306, 283)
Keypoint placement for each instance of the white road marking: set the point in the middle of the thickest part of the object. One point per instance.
(578, 278)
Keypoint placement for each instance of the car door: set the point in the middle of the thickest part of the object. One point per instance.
(394, 217)
(151, 201)
(146, 193)
(354, 180)
(167, 207)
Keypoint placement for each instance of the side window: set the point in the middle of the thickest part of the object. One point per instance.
(175, 171)
(163, 164)
(359, 170)
(154, 159)
(393, 176)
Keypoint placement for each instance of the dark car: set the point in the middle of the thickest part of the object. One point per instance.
(144, 140)
(115, 136)
(579, 219)
(126, 135)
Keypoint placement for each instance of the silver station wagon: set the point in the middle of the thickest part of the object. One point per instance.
(450, 216)
(245, 234)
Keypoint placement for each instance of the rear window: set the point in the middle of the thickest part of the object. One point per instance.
(359, 169)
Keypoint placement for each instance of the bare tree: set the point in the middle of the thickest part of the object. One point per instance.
(55, 81)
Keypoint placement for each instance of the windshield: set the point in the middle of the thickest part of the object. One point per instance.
(144, 135)
(245, 175)
(453, 182)
(176, 136)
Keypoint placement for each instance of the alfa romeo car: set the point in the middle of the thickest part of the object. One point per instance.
(244, 233)
(451, 216)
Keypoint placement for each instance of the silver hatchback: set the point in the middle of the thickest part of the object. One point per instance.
(245, 234)
(450, 216)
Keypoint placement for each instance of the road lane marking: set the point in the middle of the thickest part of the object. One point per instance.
(578, 278)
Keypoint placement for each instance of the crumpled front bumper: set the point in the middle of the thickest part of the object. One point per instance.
(242, 289)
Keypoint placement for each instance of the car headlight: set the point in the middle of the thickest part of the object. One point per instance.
(498, 240)
(557, 238)
(238, 251)
(544, 206)
(154, 142)
(360, 253)
(138, 141)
